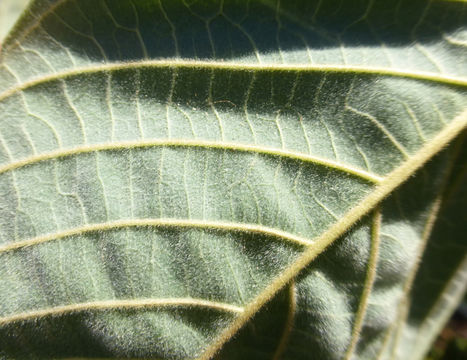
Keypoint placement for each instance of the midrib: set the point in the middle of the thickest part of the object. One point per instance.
(322, 242)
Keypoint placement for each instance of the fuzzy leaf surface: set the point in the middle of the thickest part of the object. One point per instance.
(232, 179)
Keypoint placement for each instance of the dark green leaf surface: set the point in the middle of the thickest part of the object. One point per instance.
(189, 180)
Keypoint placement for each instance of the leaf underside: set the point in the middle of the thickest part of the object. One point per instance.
(232, 179)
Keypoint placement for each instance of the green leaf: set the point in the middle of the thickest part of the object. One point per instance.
(231, 179)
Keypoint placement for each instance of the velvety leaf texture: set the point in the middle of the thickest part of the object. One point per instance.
(227, 179)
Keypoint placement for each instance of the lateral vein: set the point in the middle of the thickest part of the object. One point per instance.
(403, 307)
(368, 285)
(289, 324)
(224, 65)
(179, 223)
(120, 304)
(392, 181)
(374, 178)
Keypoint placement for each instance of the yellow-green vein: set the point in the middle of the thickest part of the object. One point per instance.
(368, 286)
(219, 65)
(374, 178)
(289, 323)
(177, 223)
(427, 230)
(390, 182)
(120, 304)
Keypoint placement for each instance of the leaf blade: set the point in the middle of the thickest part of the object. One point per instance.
(282, 140)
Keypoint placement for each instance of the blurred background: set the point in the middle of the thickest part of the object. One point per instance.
(9, 12)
